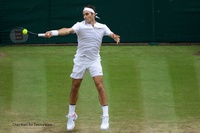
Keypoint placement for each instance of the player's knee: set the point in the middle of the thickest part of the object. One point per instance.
(75, 88)
(100, 87)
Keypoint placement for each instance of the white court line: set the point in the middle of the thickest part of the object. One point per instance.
(29, 91)
(157, 95)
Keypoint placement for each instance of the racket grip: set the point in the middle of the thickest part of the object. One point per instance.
(41, 35)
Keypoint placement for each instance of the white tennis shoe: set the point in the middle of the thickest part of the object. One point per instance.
(70, 122)
(105, 123)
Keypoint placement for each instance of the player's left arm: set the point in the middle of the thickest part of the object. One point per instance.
(115, 37)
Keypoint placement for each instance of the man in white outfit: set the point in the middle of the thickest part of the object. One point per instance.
(87, 57)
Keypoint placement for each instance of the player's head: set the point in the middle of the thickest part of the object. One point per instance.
(89, 13)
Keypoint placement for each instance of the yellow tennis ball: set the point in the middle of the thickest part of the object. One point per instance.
(25, 31)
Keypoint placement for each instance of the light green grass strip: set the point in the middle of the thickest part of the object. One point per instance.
(185, 88)
(29, 87)
(157, 93)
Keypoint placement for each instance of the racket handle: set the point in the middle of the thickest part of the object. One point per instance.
(41, 35)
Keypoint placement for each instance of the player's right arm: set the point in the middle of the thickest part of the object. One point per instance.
(60, 32)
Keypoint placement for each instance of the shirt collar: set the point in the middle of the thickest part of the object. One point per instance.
(97, 24)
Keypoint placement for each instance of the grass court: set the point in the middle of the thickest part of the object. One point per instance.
(151, 89)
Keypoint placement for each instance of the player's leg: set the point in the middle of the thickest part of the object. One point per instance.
(74, 91)
(97, 74)
(74, 95)
(77, 76)
(98, 80)
(72, 116)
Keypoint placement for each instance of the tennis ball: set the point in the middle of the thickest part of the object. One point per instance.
(25, 31)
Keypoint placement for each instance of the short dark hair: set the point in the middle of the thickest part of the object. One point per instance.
(91, 6)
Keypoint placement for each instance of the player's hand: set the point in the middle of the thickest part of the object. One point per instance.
(116, 38)
(48, 34)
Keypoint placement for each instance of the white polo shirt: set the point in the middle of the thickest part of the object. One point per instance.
(90, 39)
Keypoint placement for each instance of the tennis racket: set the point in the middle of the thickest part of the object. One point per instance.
(17, 35)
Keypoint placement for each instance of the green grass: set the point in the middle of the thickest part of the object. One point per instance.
(151, 89)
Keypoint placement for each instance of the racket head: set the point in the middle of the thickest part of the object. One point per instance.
(16, 35)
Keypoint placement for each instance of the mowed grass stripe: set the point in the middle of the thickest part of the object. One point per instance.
(6, 85)
(29, 87)
(157, 95)
(157, 90)
(185, 83)
(5, 94)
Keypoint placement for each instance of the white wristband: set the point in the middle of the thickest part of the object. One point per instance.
(54, 32)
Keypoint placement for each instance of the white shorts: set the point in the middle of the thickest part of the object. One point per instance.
(81, 66)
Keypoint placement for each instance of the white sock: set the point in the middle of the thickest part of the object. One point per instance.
(71, 109)
(105, 110)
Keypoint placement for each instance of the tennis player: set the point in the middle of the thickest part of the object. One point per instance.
(87, 57)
